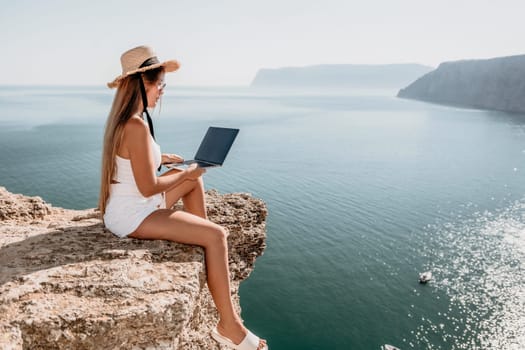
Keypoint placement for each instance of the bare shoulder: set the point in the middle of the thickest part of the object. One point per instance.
(135, 133)
(135, 126)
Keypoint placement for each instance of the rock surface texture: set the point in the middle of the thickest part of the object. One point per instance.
(68, 283)
(495, 84)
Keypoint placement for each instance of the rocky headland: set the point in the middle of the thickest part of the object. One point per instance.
(340, 76)
(496, 84)
(67, 283)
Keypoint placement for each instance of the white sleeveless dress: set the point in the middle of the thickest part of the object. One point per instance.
(126, 207)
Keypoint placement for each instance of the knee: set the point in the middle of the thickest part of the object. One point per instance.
(198, 183)
(220, 235)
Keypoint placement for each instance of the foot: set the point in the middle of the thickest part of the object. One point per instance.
(236, 332)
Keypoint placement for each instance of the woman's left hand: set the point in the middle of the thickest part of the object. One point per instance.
(171, 158)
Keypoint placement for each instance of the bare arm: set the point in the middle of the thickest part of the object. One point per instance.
(136, 141)
(171, 158)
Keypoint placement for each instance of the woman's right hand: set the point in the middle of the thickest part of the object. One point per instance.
(193, 172)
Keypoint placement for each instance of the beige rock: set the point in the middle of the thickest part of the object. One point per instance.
(67, 283)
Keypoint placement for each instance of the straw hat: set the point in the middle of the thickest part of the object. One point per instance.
(141, 59)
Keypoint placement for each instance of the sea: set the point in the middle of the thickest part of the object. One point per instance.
(364, 191)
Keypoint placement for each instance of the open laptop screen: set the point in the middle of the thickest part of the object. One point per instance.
(216, 145)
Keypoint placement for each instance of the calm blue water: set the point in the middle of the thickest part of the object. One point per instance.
(364, 191)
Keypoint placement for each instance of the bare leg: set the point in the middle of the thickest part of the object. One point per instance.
(196, 229)
(192, 194)
(187, 228)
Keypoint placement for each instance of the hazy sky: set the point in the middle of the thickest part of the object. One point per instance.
(226, 42)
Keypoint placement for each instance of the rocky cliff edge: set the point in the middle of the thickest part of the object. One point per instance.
(68, 283)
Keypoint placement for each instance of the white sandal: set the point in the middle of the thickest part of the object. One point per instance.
(250, 341)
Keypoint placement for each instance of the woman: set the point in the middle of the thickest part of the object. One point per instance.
(136, 203)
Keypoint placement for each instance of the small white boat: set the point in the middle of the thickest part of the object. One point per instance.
(424, 277)
(389, 347)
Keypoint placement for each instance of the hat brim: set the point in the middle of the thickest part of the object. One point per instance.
(169, 66)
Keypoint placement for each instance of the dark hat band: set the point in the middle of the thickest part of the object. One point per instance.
(149, 62)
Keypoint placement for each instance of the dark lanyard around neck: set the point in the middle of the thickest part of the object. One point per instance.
(145, 110)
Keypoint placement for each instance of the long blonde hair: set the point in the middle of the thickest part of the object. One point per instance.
(126, 102)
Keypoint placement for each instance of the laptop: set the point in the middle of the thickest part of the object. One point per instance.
(213, 149)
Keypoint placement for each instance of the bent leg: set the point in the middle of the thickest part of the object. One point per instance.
(182, 227)
(192, 194)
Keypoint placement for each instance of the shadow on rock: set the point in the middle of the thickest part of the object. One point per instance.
(80, 244)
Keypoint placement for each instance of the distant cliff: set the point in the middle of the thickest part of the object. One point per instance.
(497, 83)
(341, 75)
